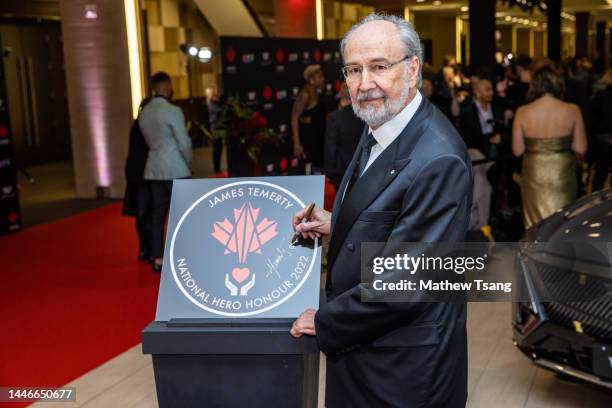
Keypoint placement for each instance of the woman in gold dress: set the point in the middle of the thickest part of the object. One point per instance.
(550, 134)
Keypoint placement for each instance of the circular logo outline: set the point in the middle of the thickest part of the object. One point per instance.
(239, 314)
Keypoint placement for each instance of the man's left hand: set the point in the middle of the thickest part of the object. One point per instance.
(304, 324)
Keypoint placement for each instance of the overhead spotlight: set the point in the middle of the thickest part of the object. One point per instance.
(204, 54)
(437, 3)
(508, 18)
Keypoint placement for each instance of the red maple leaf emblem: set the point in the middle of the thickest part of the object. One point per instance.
(267, 93)
(230, 54)
(12, 217)
(3, 132)
(280, 56)
(317, 55)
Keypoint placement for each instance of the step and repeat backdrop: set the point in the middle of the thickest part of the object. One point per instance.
(10, 219)
(267, 74)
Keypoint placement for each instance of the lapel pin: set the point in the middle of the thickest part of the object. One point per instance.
(393, 172)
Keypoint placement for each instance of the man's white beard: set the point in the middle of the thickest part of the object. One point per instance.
(375, 117)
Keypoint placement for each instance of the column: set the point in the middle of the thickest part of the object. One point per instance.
(582, 34)
(99, 94)
(554, 29)
(482, 37)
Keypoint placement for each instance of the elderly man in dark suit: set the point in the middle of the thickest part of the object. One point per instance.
(409, 181)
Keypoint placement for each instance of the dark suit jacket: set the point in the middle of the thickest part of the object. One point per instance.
(137, 155)
(471, 131)
(341, 137)
(388, 353)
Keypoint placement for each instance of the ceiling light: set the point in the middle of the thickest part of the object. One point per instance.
(437, 3)
(464, 8)
(508, 18)
(193, 51)
(204, 53)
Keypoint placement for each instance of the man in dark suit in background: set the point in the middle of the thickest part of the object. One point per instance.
(481, 120)
(409, 181)
(341, 137)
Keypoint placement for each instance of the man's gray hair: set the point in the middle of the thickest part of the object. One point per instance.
(408, 35)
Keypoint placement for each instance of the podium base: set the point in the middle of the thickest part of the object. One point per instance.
(210, 365)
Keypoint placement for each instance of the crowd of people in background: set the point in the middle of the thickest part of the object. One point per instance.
(539, 135)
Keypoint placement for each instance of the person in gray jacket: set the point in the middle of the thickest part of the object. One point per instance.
(163, 127)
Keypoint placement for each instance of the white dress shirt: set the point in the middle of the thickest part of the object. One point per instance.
(389, 131)
(485, 117)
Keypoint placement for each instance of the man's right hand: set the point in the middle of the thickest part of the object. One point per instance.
(319, 223)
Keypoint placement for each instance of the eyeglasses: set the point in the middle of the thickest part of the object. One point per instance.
(377, 69)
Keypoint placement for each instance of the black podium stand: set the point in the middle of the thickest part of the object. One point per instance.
(232, 363)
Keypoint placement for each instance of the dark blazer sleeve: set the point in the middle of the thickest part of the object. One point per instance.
(469, 128)
(435, 208)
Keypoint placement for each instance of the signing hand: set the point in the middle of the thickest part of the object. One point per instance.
(320, 223)
(304, 324)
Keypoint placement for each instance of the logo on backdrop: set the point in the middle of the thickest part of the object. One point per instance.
(248, 58)
(337, 85)
(250, 265)
(12, 217)
(281, 94)
(230, 54)
(280, 56)
(266, 58)
(267, 93)
(4, 134)
(7, 192)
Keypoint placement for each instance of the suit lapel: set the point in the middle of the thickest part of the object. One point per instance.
(376, 178)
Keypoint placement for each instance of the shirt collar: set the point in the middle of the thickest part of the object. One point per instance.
(479, 106)
(390, 130)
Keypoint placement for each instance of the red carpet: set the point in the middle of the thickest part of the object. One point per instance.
(72, 296)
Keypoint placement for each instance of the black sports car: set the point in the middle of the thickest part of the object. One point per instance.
(572, 337)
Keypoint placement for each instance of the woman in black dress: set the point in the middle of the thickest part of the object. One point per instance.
(308, 121)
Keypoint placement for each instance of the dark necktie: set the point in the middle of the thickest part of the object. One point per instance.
(363, 160)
